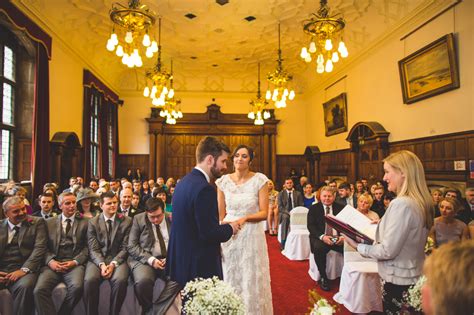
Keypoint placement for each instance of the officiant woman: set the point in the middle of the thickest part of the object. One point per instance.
(401, 234)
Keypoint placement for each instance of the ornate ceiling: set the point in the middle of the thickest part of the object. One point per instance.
(218, 50)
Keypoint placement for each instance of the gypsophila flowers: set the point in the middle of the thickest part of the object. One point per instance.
(413, 296)
(211, 296)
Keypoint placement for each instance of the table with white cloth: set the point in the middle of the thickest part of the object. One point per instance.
(360, 290)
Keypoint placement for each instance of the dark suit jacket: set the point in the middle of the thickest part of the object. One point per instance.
(141, 240)
(97, 239)
(283, 199)
(53, 212)
(32, 241)
(316, 222)
(194, 248)
(131, 212)
(79, 231)
(343, 202)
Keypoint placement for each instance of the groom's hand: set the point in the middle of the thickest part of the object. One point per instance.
(235, 226)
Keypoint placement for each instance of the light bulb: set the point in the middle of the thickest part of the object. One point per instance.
(320, 68)
(162, 113)
(335, 57)
(320, 59)
(149, 52)
(328, 45)
(125, 59)
(329, 65)
(308, 58)
(129, 37)
(146, 91)
(312, 47)
(130, 63)
(251, 115)
(343, 50)
(114, 39)
(161, 101)
(110, 46)
(304, 53)
(275, 93)
(154, 46)
(139, 62)
(268, 95)
(180, 114)
(171, 93)
(266, 115)
(164, 91)
(292, 95)
(344, 53)
(146, 40)
(119, 51)
(153, 91)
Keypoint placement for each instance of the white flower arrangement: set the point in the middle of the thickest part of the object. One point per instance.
(413, 296)
(211, 296)
(322, 307)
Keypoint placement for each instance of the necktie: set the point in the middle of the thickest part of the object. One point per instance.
(109, 232)
(290, 201)
(161, 240)
(46, 217)
(328, 230)
(15, 236)
(68, 225)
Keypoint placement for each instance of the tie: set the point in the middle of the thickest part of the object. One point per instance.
(109, 232)
(161, 240)
(15, 236)
(328, 230)
(68, 225)
(290, 202)
(46, 217)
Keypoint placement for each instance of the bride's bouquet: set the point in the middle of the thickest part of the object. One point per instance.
(211, 296)
(319, 305)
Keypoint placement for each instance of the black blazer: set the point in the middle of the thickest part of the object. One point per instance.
(316, 222)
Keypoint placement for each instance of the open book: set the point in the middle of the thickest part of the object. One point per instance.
(353, 224)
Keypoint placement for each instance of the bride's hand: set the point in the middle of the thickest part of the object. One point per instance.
(242, 221)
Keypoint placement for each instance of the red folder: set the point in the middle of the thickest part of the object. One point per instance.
(348, 230)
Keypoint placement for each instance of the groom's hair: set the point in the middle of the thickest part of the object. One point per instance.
(210, 146)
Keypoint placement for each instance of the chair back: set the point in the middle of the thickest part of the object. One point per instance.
(299, 218)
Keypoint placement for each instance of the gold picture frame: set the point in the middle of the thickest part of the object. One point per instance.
(335, 115)
(430, 71)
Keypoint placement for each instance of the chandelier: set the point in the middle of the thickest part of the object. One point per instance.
(171, 109)
(257, 106)
(280, 79)
(326, 33)
(133, 24)
(159, 79)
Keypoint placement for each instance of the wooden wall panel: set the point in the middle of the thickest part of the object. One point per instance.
(334, 164)
(132, 161)
(284, 165)
(23, 161)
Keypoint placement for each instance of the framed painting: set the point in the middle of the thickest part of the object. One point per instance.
(335, 115)
(430, 71)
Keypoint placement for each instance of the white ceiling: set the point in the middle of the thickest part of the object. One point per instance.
(217, 36)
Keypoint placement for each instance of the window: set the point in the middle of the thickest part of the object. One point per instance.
(7, 107)
(94, 136)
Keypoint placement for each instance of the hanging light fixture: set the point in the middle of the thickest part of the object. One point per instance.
(131, 32)
(257, 106)
(171, 109)
(280, 79)
(158, 78)
(326, 39)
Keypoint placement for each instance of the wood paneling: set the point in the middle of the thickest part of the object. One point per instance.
(133, 161)
(23, 161)
(285, 163)
(334, 164)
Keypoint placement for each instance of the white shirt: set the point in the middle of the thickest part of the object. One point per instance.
(205, 174)
(166, 237)
(331, 213)
(64, 223)
(126, 212)
(11, 231)
(106, 219)
(50, 214)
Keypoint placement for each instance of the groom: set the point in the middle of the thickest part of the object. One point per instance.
(194, 245)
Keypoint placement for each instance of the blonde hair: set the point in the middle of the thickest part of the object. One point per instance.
(454, 202)
(414, 183)
(328, 189)
(367, 197)
(450, 274)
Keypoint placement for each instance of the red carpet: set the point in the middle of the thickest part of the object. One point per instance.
(291, 282)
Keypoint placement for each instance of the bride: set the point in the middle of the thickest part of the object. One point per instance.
(243, 196)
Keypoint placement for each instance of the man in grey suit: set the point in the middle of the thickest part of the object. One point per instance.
(288, 198)
(67, 253)
(344, 195)
(147, 248)
(108, 238)
(22, 250)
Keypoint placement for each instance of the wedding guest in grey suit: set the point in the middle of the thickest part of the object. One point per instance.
(22, 250)
(108, 238)
(147, 248)
(288, 198)
(67, 253)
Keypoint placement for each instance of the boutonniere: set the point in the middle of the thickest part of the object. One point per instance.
(29, 220)
(133, 210)
(120, 216)
(79, 215)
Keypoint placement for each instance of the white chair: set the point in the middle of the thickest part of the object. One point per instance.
(334, 264)
(297, 246)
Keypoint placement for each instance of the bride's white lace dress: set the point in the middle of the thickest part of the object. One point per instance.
(245, 257)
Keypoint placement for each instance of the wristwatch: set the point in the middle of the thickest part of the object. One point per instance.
(25, 270)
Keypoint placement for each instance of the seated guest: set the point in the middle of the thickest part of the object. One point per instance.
(65, 258)
(372, 190)
(447, 228)
(450, 274)
(333, 184)
(378, 205)
(303, 182)
(308, 197)
(108, 239)
(364, 203)
(126, 203)
(136, 201)
(462, 214)
(21, 260)
(115, 186)
(46, 202)
(93, 185)
(288, 198)
(344, 196)
(72, 182)
(272, 219)
(85, 203)
(469, 202)
(137, 185)
(437, 195)
(321, 236)
(387, 198)
(147, 248)
(160, 193)
(21, 192)
(359, 188)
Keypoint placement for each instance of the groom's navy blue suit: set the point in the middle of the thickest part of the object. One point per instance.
(194, 245)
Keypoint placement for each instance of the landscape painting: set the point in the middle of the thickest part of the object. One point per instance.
(429, 71)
